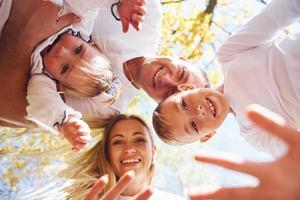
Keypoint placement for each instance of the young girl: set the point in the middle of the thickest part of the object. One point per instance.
(258, 68)
(69, 63)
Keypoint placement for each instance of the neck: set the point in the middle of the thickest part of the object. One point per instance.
(131, 70)
(136, 187)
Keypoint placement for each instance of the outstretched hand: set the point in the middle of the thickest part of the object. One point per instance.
(131, 12)
(115, 192)
(279, 179)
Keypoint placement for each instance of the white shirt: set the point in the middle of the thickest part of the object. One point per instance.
(44, 102)
(157, 195)
(263, 68)
(120, 47)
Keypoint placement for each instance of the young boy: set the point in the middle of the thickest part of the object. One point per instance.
(69, 61)
(258, 68)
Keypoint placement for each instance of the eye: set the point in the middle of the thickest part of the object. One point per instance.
(78, 50)
(140, 140)
(182, 73)
(194, 126)
(64, 69)
(117, 142)
(184, 105)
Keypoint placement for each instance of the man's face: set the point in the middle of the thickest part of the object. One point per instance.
(160, 76)
(193, 113)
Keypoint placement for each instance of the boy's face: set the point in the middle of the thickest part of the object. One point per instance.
(64, 59)
(160, 75)
(193, 113)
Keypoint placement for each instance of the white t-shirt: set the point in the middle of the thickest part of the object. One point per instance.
(262, 67)
(158, 195)
(44, 102)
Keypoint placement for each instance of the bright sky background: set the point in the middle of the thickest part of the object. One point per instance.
(176, 170)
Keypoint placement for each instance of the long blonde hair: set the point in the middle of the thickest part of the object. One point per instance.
(86, 168)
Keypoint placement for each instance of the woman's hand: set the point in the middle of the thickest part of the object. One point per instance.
(115, 192)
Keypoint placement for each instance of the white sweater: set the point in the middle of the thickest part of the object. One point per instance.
(262, 67)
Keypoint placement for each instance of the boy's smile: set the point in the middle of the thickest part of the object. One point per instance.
(193, 113)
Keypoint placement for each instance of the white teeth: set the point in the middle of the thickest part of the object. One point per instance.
(133, 160)
(156, 76)
(211, 107)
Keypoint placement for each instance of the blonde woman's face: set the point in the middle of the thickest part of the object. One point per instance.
(130, 148)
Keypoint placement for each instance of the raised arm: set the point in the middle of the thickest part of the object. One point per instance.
(30, 22)
(261, 28)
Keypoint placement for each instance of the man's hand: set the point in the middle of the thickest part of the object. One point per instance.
(77, 132)
(115, 192)
(132, 12)
(279, 179)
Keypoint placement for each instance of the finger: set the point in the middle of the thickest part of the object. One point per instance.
(144, 195)
(67, 20)
(125, 24)
(80, 145)
(97, 188)
(272, 123)
(140, 2)
(81, 140)
(137, 18)
(225, 194)
(141, 10)
(121, 185)
(232, 162)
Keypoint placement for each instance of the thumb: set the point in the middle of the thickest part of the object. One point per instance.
(68, 19)
(125, 24)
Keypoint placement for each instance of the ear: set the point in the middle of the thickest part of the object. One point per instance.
(207, 136)
(185, 87)
(154, 149)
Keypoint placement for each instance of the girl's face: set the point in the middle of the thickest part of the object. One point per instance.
(130, 148)
(63, 59)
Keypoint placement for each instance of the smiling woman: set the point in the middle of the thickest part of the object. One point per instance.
(127, 144)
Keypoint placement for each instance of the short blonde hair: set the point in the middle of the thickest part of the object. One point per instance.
(94, 77)
(88, 167)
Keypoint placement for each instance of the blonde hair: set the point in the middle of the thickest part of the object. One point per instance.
(93, 78)
(91, 165)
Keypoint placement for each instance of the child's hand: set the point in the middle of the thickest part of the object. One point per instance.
(77, 132)
(132, 12)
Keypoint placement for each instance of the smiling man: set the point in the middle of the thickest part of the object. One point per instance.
(160, 76)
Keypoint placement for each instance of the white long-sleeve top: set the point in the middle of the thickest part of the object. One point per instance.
(44, 102)
(261, 66)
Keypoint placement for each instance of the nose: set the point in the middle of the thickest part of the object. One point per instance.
(169, 82)
(200, 111)
(61, 51)
(130, 149)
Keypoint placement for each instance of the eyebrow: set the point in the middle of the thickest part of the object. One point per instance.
(138, 133)
(178, 110)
